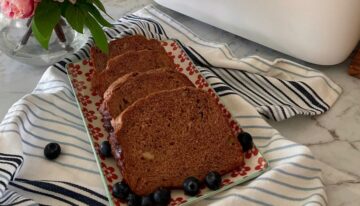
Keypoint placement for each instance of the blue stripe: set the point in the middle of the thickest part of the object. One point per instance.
(256, 126)
(8, 163)
(291, 156)
(59, 108)
(303, 166)
(41, 193)
(296, 175)
(81, 128)
(63, 164)
(288, 185)
(71, 102)
(49, 140)
(55, 80)
(47, 129)
(71, 98)
(272, 141)
(7, 198)
(4, 177)
(282, 147)
(322, 76)
(61, 190)
(281, 196)
(261, 137)
(52, 88)
(84, 189)
(56, 115)
(241, 197)
(42, 148)
(19, 202)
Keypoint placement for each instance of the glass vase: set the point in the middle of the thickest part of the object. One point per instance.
(18, 42)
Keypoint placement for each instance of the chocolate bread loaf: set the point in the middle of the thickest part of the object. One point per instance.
(162, 139)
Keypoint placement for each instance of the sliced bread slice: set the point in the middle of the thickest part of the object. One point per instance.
(133, 86)
(162, 139)
(121, 46)
(134, 61)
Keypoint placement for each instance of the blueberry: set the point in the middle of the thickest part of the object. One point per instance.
(52, 151)
(121, 190)
(133, 200)
(147, 201)
(246, 141)
(162, 196)
(213, 180)
(105, 149)
(191, 186)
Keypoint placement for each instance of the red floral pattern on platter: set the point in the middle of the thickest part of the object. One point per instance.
(109, 172)
(84, 99)
(86, 62)
(182, 56)
(191, 69)
(89, 74)
(74, 70)
(226, 182)
(98, 104)
(253, 152)
(78, 85)
(201, 82)
(89, 114)
(261, 164)
(241, 171)
(177, 201)
(90, 102)
(95, 132)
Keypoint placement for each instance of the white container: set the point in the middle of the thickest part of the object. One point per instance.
(317, 31)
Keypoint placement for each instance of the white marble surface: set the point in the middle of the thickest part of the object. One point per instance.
(334, 137)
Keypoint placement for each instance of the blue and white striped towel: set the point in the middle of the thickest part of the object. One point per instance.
(254, 89)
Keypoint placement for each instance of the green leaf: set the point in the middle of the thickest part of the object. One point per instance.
(96, 14)
(99, 5)
(75, 17)
(41, 39)
(47, 15)
(97, 33)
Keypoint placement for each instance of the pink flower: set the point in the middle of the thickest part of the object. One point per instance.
(18, 8)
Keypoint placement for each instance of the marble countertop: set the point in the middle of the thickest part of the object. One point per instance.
(333, 137)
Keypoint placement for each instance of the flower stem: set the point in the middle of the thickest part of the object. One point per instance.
(28, 33)
(60, 32)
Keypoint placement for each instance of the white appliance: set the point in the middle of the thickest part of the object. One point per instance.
(318, 31)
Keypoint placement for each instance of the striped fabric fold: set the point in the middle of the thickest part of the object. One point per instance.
(253, 89)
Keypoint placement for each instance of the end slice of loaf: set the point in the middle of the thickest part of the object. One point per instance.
(121, 46)
(133, 86)
(134, 61)
(162, 139)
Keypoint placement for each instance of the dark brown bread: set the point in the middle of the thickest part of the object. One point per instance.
(134, 61)
(121, 46)
(133, 86)
(162, 139)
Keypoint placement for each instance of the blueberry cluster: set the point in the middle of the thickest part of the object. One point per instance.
(192, 185)
(160, 197)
